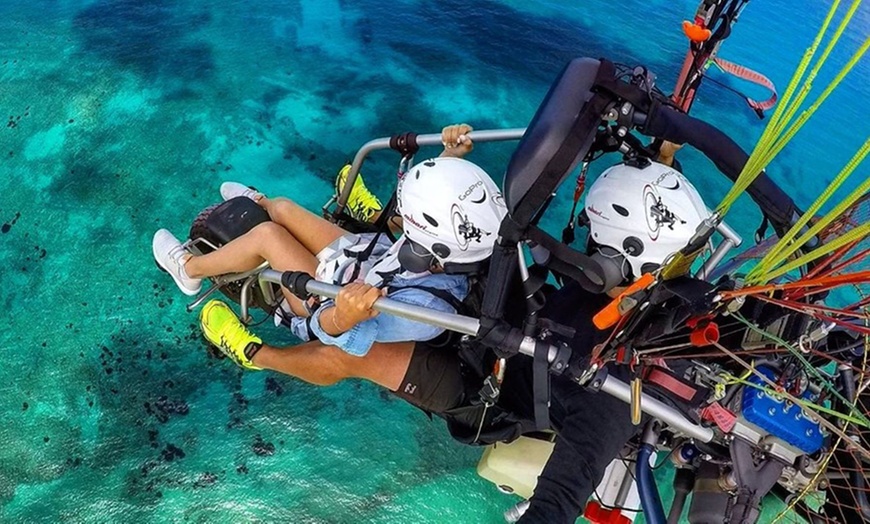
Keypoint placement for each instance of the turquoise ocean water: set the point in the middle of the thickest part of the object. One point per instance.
(125, 116)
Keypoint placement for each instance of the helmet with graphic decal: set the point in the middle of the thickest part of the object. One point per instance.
(451, 211)
(640, 216)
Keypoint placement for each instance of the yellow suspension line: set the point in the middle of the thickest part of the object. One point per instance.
(772, 141)
(786, 247)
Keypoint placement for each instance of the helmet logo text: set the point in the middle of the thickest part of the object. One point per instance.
(471, 189)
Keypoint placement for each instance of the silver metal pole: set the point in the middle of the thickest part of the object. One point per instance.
(726, 231)
(721, 250)
(731, 240)
(470, 326)
(434, 139)
(453, 322)
(657, 409)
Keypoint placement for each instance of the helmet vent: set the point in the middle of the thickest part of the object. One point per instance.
(441, 250)
(649, 267)
(621, 210)
(633, 246)
(430, 220)
(417, 174)
(430, 163)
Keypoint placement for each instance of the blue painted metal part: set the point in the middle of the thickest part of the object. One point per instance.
(780, 418)
(650, 502)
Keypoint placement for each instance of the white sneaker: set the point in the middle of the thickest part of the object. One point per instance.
(231, 190)
(169, 255)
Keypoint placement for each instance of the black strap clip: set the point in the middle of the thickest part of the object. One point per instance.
(491, 390)
(297, 282)
(405, 144)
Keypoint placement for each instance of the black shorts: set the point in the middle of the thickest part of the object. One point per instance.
(434, 380)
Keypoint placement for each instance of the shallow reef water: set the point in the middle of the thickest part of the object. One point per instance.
(125, 116)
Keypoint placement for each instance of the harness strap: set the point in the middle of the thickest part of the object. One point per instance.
(381, 226)
(541, 386)
(744, 73)
(568, 232)
(563, 259)
(666, 381)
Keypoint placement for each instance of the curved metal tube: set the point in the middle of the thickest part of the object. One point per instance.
(433, 139)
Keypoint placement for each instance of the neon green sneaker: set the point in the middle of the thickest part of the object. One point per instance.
(225, 331)
(361, 203)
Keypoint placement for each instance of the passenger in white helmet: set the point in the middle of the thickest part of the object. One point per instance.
(452, 211)
(663, 210)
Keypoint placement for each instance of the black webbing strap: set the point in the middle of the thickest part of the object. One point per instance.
(579, 139)
(541, 386)
(570, 262)
(381, 224)
(639, 98)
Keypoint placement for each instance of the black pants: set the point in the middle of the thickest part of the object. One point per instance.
(592, 428)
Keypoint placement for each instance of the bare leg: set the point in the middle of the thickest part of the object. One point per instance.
(312, 231)
(265, 242)
(316, 363)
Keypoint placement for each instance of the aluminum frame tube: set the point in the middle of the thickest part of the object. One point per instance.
(657, 409)
(453, 322)
(470, 326)
(433, 139)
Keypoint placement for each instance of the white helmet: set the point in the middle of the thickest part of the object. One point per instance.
(451, 211)
(638, 217)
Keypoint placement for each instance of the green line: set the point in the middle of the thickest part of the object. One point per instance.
(786, 137)
(807, 366)
(775, 135)
(805, 89)
(853, 235)
(785, 247)
(784, 102)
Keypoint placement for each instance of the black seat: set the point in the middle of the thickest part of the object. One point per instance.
(557, 139)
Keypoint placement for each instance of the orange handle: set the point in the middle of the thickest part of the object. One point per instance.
(612, 312)
(695, 32)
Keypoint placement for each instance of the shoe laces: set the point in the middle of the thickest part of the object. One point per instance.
(236, 336)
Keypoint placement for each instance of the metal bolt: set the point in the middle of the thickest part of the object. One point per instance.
(596, 384)
(810, 432)
(771, 411)
(621, 131)
(759, 394)
(558, 365)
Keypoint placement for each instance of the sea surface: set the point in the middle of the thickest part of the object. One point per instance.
(124, 116)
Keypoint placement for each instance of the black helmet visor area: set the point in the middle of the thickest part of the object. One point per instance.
(414, 257)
